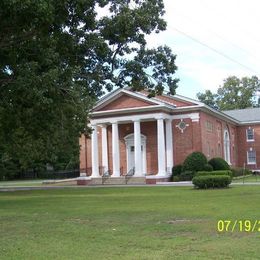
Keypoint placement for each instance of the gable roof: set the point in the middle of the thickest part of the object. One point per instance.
(248, 115)
(118, 93)
(164, 100)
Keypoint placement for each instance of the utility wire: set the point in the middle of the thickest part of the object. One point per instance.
(230, 21)
(189, 19)
(214, 50)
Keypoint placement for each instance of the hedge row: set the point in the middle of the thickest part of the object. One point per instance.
(211, 181)
(206, 173)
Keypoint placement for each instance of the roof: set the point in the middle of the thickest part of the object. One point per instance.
(245, 115)
(163, 100)
(167, 103)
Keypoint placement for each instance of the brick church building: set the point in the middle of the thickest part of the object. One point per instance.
(148, 136)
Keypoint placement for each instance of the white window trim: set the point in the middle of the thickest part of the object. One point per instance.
(227, 147)
(250, 140)
(250, 163)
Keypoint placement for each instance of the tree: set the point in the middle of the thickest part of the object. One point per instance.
(234, 94)
(56, 59)
(208, 98)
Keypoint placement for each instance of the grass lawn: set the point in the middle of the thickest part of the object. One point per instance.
(253, 178)
(128, 223)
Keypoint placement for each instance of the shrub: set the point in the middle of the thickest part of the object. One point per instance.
(186, 176)
(211, 181)
(239, 171)
(215, 173)
(219, 164)
(194, 162)
(207, 167)
(176, 170)
(175, 178)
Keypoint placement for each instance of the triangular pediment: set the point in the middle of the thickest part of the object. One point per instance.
(124, 100)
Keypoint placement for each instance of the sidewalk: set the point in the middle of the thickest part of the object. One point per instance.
(161, 184)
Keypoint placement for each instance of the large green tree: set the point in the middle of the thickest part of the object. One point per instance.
(235, 93)
(58, 57)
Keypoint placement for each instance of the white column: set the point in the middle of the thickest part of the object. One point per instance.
(144, 160)
(115, 150)
(169, 146)
(138, 152)
(94, 152)
(104, 148)
(161, 147)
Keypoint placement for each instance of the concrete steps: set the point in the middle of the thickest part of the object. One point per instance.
(118, 181)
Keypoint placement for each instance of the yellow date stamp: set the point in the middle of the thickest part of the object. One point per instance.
(238, 225)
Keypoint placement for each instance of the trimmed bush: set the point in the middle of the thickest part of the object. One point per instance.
(211, 181)
(207, 167)
(215, 173)
(186, 176)
(219, 164)
(194, 162)
(239, 171)
(176, 170)
(175, 178)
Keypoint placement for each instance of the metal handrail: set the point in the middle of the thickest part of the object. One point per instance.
(105, 176)
(130, 174)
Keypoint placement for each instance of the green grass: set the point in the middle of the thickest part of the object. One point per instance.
(128, 223)
(253, 178)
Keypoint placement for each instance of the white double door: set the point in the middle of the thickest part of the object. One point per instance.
(131, 158)
(130, 153)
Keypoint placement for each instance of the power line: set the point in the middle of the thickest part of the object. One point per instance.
(230, 21)
(209, 29)
(214, 50)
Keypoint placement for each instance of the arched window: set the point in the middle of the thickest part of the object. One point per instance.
(227, 146)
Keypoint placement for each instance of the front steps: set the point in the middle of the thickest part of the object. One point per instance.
(122, 180)
(111, 181)
(117, 180)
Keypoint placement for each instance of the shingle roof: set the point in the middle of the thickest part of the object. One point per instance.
(245, 115)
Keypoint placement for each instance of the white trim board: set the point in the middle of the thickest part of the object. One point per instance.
(145, 117)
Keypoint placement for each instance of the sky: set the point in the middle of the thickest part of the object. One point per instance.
(212, 40)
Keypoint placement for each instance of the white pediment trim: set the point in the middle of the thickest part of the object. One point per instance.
(120, 92)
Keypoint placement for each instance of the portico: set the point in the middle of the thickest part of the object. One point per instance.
(135, 145)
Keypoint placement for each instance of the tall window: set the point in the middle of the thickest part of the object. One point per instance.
(209, 126)
(250, 134)
(219, 149)
(227, 146)
(208, 148)
(251, 157)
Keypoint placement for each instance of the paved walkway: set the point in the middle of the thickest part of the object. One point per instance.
(161, 184)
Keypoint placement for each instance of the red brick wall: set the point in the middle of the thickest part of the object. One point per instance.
(126, 101)
(212, 139)
(244, 146)
(185, 143)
